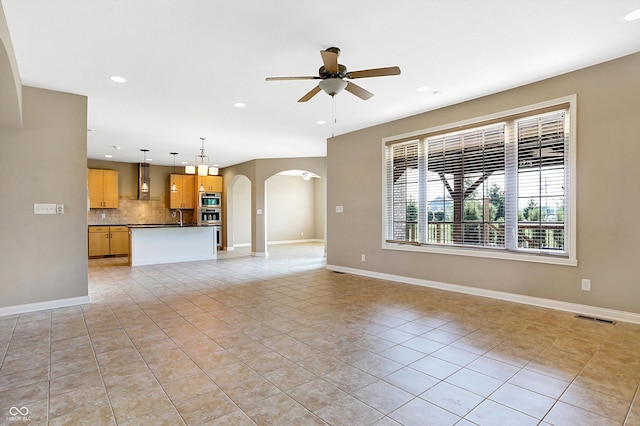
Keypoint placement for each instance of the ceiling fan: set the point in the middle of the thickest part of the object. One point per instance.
(334, 77)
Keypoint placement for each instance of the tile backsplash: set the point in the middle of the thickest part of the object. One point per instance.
(134, 211)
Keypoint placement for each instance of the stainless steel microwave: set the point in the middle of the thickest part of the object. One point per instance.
(210, 199)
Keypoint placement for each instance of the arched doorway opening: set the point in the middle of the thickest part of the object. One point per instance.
(294, 207)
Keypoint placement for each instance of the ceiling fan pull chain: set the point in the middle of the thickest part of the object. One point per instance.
(335, 118)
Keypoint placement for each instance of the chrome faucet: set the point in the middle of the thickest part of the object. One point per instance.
(174, 215)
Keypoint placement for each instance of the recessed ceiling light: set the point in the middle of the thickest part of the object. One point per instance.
(437, 93)
(108, 155)
(321, 122)
(239, 105)
(184, 162)
(633, 15)
(118, 79)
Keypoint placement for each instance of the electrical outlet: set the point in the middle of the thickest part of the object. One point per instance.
(586, 285)
(104, 215)
(363, 258)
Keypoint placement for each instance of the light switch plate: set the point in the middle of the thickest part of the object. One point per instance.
(339, 209)
(39, 208)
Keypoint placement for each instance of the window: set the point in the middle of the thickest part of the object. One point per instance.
(500, 187)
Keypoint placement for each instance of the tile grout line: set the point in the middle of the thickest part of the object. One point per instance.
(634, 401)
(95, 357)
(50, 361)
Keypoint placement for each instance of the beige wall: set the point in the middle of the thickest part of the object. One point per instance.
(291, 209)
(44, 257)
(258, 171)
(241, 209)
(294, 210)
(10, 84)
(608, 199)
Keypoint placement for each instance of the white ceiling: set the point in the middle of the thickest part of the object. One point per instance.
(188, 61)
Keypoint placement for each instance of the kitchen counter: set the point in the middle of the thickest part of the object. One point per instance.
(161, 225)
(152, 244)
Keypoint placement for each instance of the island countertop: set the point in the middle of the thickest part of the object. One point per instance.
(152, 244)
(161, 225)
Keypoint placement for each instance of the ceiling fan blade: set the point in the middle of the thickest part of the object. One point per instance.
(375, 72)
(310, 94)
(330, 60)
(306, 77)
(358, 91)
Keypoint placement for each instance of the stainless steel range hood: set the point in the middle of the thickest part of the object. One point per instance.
(144, 175)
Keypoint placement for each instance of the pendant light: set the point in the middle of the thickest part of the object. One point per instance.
(201, 165)
(144, 187)
(174, 188)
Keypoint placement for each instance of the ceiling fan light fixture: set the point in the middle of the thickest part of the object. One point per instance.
(333, 86)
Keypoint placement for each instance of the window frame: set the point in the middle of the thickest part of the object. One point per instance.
(570, 259)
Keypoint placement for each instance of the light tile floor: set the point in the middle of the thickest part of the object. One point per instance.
(281, 340)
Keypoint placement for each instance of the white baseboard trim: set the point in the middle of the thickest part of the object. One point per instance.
(593, 311)
(41, 306)
(310, 240)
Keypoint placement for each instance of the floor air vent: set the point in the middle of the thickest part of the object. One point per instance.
(586, 317)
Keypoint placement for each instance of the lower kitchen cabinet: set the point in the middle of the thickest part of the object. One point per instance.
(108, 240)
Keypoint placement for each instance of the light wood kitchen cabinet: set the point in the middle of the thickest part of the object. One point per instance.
(108, 240)
(118, 240)
(103, 188)
(185, 196)
(209, 183)
(98, 241)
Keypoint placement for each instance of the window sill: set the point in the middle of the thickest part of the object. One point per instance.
(489, 254)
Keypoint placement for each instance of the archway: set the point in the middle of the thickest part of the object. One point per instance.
(238, 213)
(294, 207)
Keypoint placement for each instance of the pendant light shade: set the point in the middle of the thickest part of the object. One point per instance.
(201, 165)
(144, 186)
(174, 187)
(144, 177)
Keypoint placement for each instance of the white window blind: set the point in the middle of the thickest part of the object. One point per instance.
(463, 170)
(403, 195)
(500, 186)
(542, 146)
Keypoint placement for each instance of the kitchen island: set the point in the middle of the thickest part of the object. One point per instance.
(157, 244)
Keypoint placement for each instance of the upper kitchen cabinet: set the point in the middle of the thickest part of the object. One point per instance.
(103, 188)
(185, 196)
(209, 183)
